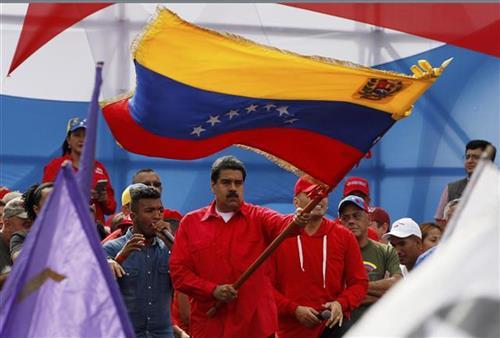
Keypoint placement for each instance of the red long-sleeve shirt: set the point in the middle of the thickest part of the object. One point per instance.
(50, 173)
(343, 279)
(209, 252)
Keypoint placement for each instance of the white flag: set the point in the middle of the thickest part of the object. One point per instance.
(456, 291)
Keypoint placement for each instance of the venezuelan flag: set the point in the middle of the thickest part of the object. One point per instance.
(199, 91)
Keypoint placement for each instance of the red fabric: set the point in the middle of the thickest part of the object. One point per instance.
(114, 235)
(209, 252)
(372, 234)
(44, 21)
(346, 279)
(100, 173)
(3, 191)
(474, 26)
(304, 154)
(172, 214)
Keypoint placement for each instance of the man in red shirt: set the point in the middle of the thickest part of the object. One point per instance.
(318, 270)
(214, 246)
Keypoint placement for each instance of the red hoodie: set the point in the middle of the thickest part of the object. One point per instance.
(313, 270)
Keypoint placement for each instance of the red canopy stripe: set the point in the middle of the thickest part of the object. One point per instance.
(43, 22)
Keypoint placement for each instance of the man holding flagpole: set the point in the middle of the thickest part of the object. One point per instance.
(214, 245)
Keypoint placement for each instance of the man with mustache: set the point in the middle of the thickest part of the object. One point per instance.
(215, 245)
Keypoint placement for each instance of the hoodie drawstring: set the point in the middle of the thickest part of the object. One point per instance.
(301, 257)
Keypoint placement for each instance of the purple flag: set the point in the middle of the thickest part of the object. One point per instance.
(86, 172)
(61, 284)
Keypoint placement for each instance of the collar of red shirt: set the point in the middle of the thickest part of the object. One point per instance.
(243, 210)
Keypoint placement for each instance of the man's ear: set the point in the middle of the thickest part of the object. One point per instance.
(36, 209)
(212, 185)
(296, 202)
(133, 216)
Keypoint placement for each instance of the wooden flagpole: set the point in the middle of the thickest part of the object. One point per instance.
(318, 193)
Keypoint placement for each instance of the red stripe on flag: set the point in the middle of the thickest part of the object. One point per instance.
(320, 156)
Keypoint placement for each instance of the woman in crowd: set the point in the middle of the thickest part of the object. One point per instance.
(103, 195)
(431, 235)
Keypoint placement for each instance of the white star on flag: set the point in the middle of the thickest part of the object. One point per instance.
(232, 113)
(283, 110)
(213, 120)
(269, 106)
(291, 121)
(197, 131)
(251, 108)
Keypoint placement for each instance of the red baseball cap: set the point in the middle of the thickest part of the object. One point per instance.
(356, 184)
(303, 185)
(3, 191)
(379, 215)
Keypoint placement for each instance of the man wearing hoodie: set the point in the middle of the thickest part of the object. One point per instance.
(318, 270)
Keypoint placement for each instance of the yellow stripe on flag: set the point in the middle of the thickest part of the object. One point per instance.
(233, 65)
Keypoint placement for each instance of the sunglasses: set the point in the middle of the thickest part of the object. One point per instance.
(156, 184)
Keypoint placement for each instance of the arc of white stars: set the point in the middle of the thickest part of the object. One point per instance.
(283, 110)
(213, 120)
(269, 106)
(251, 108)
(291, 121)
(232, 113)
(197, 131)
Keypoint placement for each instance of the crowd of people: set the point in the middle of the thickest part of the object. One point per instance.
(175, 271)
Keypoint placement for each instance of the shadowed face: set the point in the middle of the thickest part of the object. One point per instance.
(472, 157)
(355, 219)
(76, 139)
(431, 239)
(408, 249)
(228, 190)
(148, 212)
(149, 178)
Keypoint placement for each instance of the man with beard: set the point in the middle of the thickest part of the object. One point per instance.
(144, 279)
(319, 270)
(215, 245)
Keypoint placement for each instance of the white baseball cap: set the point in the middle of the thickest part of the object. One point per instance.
(402, 228)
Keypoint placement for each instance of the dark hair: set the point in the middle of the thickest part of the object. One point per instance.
(425, 228)
(32, 197)
(140, 171)
(142, 193)
(226, 162)
(482, 144)
(65, 147)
